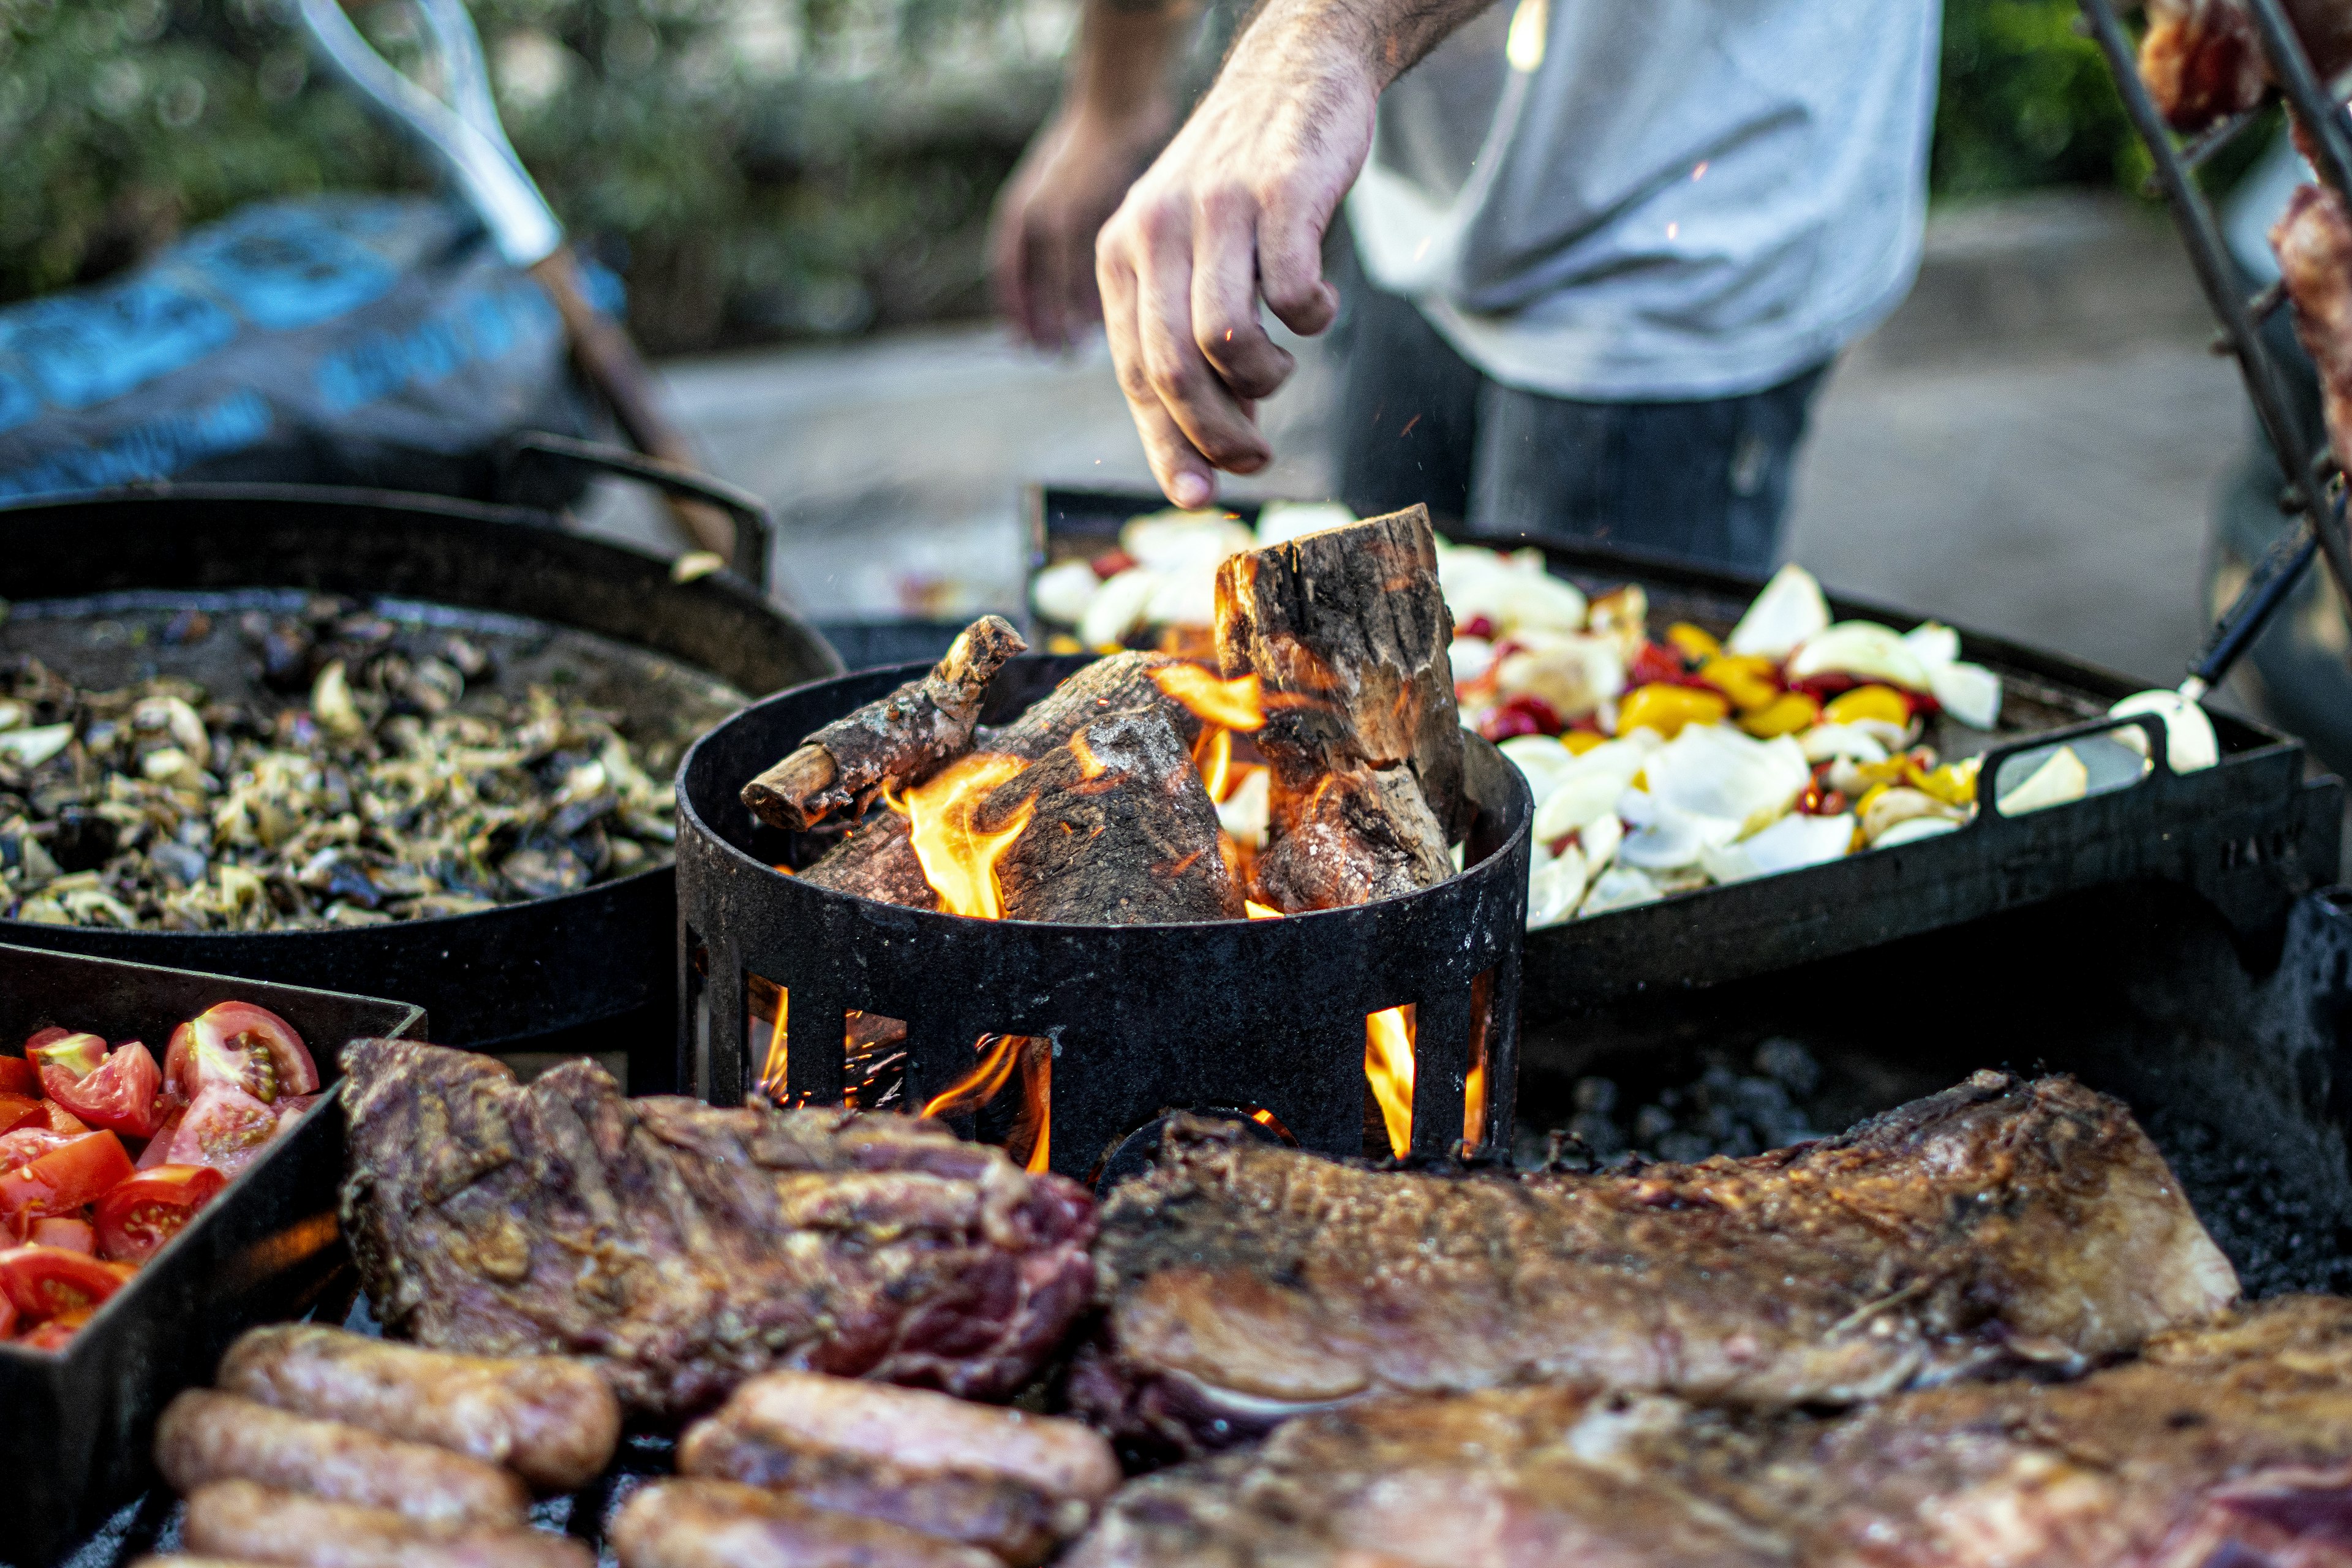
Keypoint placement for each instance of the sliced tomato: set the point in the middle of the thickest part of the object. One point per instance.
(159, 1147)
(63, 1121)
(53, 1335)
(148, 1210)
(119, 1095)
(18, 1076)
(28, 1143)
(44, 1036)
(50, 1284)
(15, 1109)
(240, 1044)
(225, 1129)
(70, 1054)
(61, 1181)
(73, 1235)
(291, 1108)
(8, 1318)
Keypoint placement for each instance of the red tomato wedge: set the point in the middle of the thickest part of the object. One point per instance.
(73, 1235)
(55, 1335)
(28, 1143)
(44, 1036)
(225, 1129)
(70, 1054)
(49, 1283)
(63, 1121)
(148, 1210)
(159, 1147)
(18, 1076)
(64, 1179)
(8, 1318)
(120, 1096)
(240, 1044)
(16, 1110)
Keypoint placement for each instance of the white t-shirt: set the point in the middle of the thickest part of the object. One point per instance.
(1630, 200)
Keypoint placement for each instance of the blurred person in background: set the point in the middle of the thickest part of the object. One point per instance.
(1607, 252)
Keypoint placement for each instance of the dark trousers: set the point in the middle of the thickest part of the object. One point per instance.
(1706, 481)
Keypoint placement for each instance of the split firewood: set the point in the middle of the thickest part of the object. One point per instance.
(1351, 837)
(1347, 631)
(875, 861)
(1121, 830)
(897, 739)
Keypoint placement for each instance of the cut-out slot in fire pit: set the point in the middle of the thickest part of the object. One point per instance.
(800, 993)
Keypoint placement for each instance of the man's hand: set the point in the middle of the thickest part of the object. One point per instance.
(1041, 242)
(1235, 211)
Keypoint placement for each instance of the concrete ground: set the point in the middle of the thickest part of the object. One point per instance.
(2029, 446)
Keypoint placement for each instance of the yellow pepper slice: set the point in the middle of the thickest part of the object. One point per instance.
(1785, 715)
(1881, 702)
(1692, 642)
(1954, 783)
(1667, 707)
(1579, 742)
(1746, 680)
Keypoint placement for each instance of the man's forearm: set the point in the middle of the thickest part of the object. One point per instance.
(1388, 36)
(1126, 49)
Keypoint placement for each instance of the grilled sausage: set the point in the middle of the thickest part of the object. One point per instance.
(1018, 1522)
(925, 1432)
(550, 1420)
(207, 1436)
(718, 1524)
(241, 1520)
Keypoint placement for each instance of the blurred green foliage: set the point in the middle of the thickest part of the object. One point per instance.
(756, 168)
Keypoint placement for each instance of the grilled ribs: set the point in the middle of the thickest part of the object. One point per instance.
(1999, 1221)
(2203, 61)
(683, 1249)
(2227, 1445)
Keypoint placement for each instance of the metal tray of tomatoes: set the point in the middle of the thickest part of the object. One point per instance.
(2250, 836)
(79, 1421)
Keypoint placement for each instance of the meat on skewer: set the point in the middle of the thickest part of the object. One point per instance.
(550, 1420)
(2226, 1444)
(2202, 59)
(206, 1436)
(242, 1520)
(1997, 1222)
(2313, 242)
(718, 1524)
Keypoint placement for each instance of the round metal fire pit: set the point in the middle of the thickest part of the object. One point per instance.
(1258, 1014)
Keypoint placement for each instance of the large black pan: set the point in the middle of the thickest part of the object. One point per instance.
(587, 970)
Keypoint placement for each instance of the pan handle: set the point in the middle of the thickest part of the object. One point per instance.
(755, 527)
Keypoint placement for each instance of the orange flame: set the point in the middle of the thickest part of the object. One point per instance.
(1236, 704)
(772, 1067)
(1259, 911)
(960, 861)
(1474, 1104)
(1388, 1066)
(1001, 1056)
(1212, 753)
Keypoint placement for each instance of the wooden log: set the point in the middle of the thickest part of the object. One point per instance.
(1352, 837)
(897, 739)
(1348, 633)
(1121, 831)
(875, 861)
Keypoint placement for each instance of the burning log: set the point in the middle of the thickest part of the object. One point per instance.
(894, 741)
(1347, 632)
(875, 861)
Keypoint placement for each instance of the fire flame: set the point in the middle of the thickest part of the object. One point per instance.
(1474, 1103)
(958, 859)
(1212, 753)
(772, 1067)
(1234, 704)
(1001, 1055)
(1259, 911)
(1388, 1066)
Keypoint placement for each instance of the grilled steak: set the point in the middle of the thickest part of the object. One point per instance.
(1998, 1221)
(2230, 1445)
(682, 1248)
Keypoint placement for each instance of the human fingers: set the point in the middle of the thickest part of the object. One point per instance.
(1196, 397)
(1225, 324)
(1184, 475)
(1290, 264)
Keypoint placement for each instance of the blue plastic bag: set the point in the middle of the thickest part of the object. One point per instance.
(342, 340)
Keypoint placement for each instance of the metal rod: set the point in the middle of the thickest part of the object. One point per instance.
(2291, 68)
(2274, 579)
(2227, 291)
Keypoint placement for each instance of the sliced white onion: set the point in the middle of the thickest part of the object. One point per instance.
(1555, 889)
(1797, 840)
(1899, 804)
(1118, 607)
(1574, 674)
(2059, 780)
(1863, 649)
(1062, 592)
(1915, 829)
(1542, 759)
(2190, 742)
(1280, 522)
(1934, 642)
(1788, 611)
(1968, 693)
(1714, 770)
(1823, 741)
(1186, 597)
(1601, 838)
(1621, 888)
(1171, 540)
(1470, 657)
